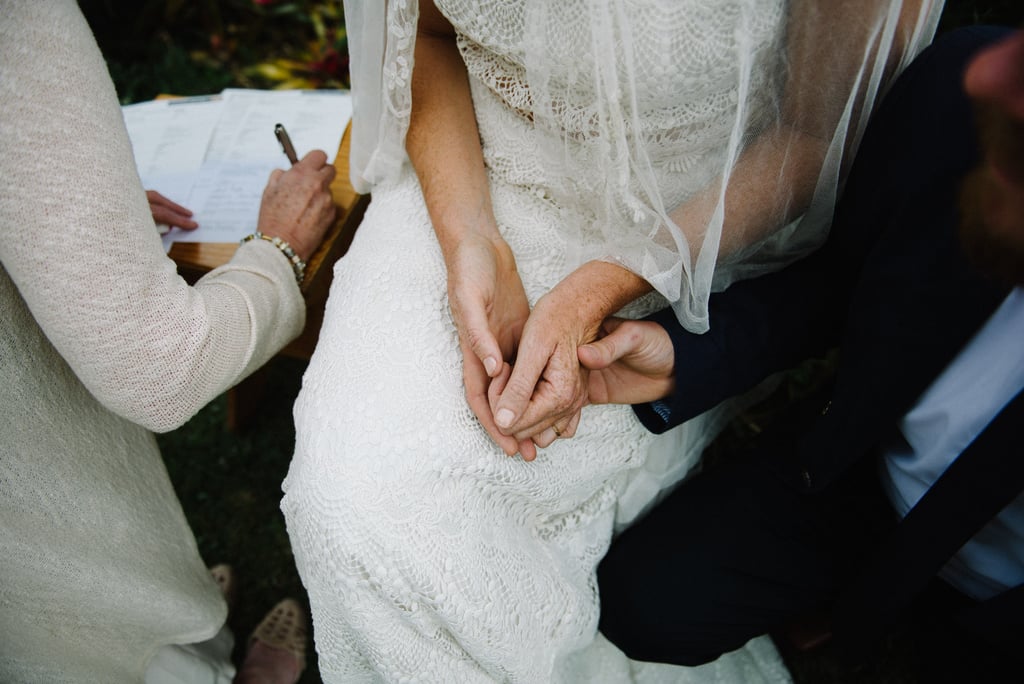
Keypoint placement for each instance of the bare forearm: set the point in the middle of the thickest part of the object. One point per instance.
(601, 288)
(443, 142)
(771, 184)
(828, 90)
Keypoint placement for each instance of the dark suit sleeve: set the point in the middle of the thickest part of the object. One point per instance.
(758, 327)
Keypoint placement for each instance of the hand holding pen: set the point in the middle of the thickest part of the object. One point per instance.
(297, 204)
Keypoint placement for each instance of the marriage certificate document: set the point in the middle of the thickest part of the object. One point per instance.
(214, 154)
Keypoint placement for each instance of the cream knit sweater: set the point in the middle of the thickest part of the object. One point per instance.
(101, 342)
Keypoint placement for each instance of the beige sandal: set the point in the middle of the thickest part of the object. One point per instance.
(284, 628)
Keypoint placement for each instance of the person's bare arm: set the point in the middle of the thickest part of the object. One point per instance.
(775, 176)
(485, 293)
(772, 183)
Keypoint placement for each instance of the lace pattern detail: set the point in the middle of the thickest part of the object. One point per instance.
(608, 137)
(429, 555)
(630, 110)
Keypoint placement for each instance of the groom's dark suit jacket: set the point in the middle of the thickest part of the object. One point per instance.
(894, 291)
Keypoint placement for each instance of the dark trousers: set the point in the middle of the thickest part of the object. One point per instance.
(734, 553)
(737, 551)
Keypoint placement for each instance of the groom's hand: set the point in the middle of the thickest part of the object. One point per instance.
(633, 363)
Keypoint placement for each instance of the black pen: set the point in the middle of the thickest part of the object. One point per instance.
(286, 143)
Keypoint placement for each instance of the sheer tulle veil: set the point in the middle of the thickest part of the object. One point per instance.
(801, 78)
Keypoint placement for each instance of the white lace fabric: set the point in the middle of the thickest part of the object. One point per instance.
(631, 111)
(100, 342)
(429, 555)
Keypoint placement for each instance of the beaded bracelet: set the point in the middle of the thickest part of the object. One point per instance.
(298, 265)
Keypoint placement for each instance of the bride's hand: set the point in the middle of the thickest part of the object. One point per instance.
(490, 308)
(547, 387)
(541, 398)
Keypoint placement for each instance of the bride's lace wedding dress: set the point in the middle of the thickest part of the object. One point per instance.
(427, 553)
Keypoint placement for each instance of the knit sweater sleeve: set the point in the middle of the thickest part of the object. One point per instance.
(78, 240)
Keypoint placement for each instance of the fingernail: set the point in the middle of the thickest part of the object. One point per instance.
(490, 364)
(504, 418)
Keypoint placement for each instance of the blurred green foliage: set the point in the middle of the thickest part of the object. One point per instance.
(203, 46)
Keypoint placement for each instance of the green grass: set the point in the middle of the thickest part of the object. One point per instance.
(229, 484)
(227, 475)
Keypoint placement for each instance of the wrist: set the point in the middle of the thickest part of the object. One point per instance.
(475, 251)
(452, 239)
(604, 288)
(298, 245)
(297, 263)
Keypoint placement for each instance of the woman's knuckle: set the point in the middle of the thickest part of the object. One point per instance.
(475, 338)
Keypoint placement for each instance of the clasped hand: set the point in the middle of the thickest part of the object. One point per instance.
(539, 398)
(528, 373)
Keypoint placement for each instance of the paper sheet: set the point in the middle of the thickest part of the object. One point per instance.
(169, 139)
(215, 154)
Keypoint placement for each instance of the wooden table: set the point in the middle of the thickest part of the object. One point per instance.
(195, 259)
